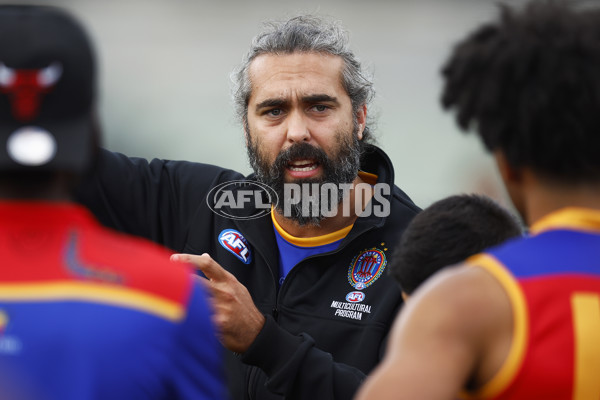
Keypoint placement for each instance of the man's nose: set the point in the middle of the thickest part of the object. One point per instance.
(297, 128)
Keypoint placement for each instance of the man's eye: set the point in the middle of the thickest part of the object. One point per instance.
(320, 107)
(274, 112)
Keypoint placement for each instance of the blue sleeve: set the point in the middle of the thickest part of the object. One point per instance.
(199, 360)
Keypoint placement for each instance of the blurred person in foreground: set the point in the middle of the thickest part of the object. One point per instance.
(522, 320)
(294, 253)
(85, 313)
(448, 232)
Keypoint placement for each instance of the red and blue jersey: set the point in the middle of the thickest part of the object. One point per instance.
(86, 313)
(553, 281)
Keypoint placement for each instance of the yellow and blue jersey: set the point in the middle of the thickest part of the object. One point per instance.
(553, 282)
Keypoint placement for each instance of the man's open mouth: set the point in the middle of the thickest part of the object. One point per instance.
(302, 165)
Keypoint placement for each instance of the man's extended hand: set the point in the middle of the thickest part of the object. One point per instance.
(237, 319)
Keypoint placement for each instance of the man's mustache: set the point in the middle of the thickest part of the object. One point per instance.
(299, 151)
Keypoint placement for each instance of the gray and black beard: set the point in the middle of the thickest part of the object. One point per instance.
(342, 168)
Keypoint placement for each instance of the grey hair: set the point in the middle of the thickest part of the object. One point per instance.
(305, 33)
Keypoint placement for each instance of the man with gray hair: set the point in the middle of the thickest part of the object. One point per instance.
(294, 253)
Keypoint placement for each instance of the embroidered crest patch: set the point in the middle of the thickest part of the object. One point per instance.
(366, 267)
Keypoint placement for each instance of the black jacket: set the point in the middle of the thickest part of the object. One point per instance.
(315, 343)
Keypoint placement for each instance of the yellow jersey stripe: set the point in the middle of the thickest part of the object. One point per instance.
(93, 292)
(586, 321)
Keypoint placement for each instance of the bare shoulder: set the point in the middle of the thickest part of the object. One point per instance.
(454, 331)
(467, 308)
(463, 295)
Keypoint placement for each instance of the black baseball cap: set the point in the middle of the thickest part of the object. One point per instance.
(47, 90)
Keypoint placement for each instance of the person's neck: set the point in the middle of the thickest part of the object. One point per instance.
(545, 198)
(330, 224)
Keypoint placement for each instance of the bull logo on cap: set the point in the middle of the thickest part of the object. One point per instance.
(25, 88)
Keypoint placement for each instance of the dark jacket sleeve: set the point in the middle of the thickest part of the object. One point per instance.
(156, 200)
(297, 369)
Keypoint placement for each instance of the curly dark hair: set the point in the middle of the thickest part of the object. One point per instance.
(530, 84)
(447, 232)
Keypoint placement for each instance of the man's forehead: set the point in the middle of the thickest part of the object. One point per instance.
(301, 74)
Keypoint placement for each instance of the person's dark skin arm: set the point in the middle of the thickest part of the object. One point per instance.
(455, 330)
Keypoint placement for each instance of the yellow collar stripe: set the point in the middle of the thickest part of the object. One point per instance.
(311, 241)
(584, 219)
(368, 177)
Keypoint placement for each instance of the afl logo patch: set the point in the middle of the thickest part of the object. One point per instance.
(366, 267)
(355, 297)
(234, 242)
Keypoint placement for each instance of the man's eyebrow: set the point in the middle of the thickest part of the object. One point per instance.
(320, 98)
(310, 99)
(271, 103)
